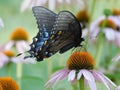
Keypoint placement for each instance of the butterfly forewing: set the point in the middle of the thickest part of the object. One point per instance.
(45, 20)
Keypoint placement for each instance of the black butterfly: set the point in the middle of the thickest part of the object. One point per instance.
(57, 32)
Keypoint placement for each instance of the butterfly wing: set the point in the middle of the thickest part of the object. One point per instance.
(66, 33)
(45, 20)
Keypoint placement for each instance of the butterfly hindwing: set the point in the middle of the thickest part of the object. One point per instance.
(66, 34)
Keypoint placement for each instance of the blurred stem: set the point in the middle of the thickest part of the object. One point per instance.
(90, 19)
(19, 73)
(8, 69)
(81, 83)
(49, 66)
(100, 44)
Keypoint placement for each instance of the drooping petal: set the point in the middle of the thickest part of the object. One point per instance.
(25, 5)
(88, 75)
(59, 76)
(22, 46)
(118, 88)
(3, 60)
(79, 75)
(104, 79)
(51, 4)
(71, 75)
(110, 34)
(9, 45)
(60, 71)
(92, 84)
(90, 79)
(116, 58)
(117, 39)
(1, 23)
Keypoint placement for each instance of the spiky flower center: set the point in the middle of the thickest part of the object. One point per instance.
(83, 16)
(8, 83)
(109, 24)
(80, 60)
(116, 12)
(19, 34)
(9, 53)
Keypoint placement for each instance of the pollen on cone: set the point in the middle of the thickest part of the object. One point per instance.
(80, 60)
(19, 34)
(109, 23)
(9, 53)
(1, 87)
(8, 83)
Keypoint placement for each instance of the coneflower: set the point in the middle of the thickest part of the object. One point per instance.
(79, 66)
(111, 29)
(7, 83)
(5, 57)
(18, 40)
(83, 17)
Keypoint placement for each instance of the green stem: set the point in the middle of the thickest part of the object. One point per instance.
(81, 83)
(98, 56)
(49, 65)
(100, 45)
(19, 73)
(90, 19)
(8, 69)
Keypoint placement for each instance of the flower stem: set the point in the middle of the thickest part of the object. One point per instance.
(19, 73)
(81, 83)
(100, 45)
(49, 65)
(90, 19)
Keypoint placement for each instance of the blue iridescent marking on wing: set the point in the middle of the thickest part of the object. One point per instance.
(45, 20)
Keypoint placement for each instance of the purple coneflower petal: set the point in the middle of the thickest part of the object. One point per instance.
(60, 71)
(51, 4)
(3, 60)
(79, 75)
(22, 46)
(105, 80)
(90, 79)
(92, 84)
(88, 75)
(25, 5)
(59, 76)
(117, 39)
(116, 58)
(110, 34)
(118, 88)
(1, 23)
(71, 75)
(9, 45)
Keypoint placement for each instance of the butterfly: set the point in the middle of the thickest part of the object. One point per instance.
(57, 33)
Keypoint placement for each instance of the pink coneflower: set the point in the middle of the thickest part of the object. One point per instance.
(19, 41)
(111, 29)
(80, 66)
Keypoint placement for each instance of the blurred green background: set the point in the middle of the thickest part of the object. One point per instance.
(36, 75)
